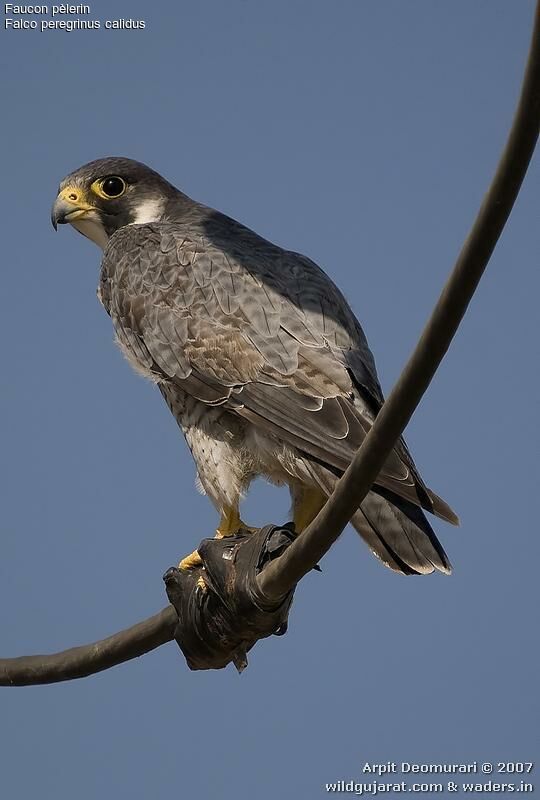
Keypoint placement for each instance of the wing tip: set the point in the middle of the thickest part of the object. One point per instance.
(442, 510)
(445, 568)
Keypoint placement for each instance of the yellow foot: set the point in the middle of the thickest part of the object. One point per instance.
(249, 528)
(230, 523)
(191, 561)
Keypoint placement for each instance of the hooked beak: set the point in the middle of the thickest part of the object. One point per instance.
(63, 212)
(68, 207)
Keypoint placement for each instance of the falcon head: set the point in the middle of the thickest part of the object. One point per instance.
(105, 195)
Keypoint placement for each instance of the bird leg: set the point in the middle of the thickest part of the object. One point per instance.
(307, 502)
(230, 522)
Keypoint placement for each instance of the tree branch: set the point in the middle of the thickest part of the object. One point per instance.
(78, 662)
(282, 574)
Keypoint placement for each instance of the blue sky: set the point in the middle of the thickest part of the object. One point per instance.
(363, 134)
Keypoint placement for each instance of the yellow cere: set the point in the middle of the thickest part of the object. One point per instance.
(74, 195)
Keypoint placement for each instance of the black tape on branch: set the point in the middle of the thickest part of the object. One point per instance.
(219, 623)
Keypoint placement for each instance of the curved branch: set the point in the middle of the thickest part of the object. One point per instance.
(285, 572)
(78, 662)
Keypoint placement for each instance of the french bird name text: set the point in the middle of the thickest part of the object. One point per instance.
(53, 11)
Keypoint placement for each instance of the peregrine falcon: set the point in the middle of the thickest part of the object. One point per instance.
(255, 351)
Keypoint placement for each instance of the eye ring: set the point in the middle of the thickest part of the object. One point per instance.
(110, 188)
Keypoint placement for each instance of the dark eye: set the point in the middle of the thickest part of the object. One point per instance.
(113, 186)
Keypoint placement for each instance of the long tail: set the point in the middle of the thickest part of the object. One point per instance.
(396, 530)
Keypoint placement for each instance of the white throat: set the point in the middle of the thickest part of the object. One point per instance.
(91, 227)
